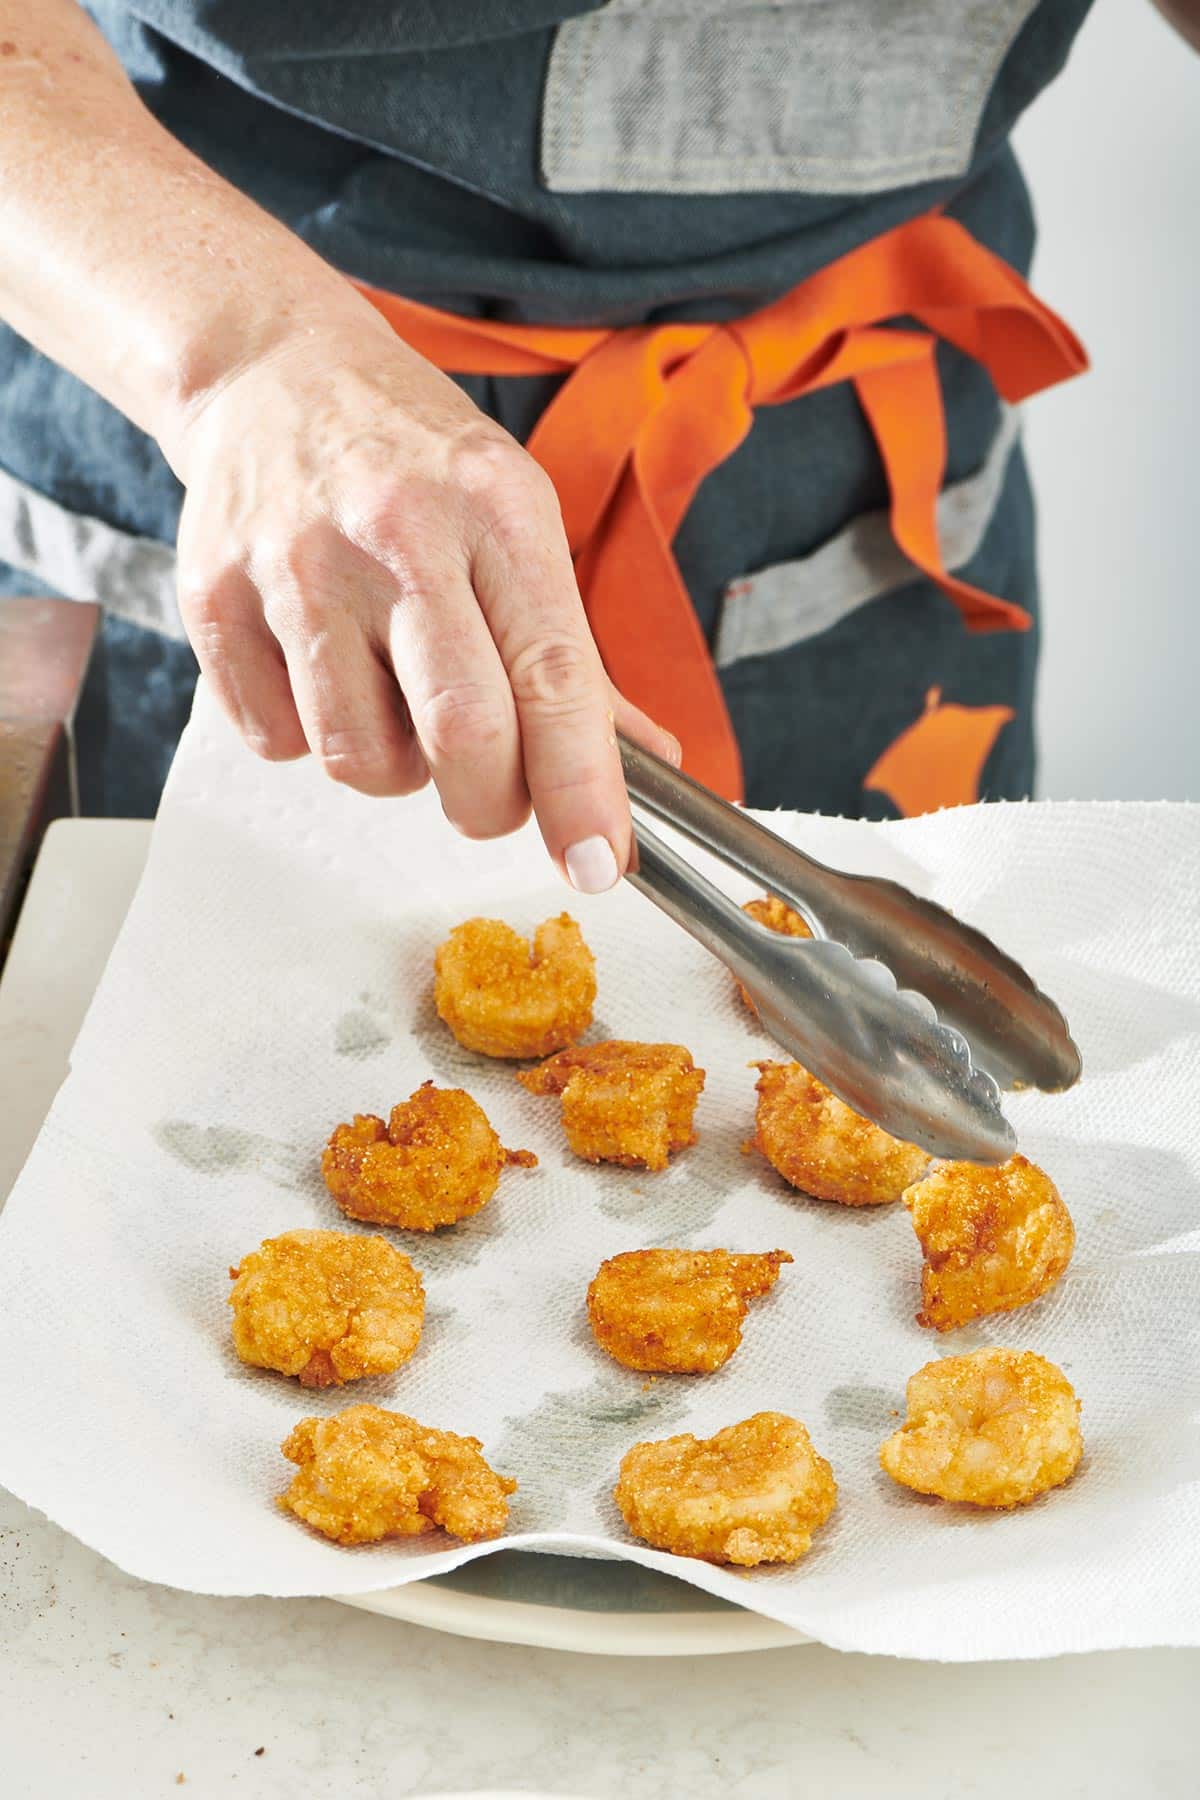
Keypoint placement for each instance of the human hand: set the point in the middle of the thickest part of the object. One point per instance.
(372, 570)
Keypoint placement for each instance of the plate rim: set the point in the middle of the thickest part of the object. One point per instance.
(547, 1627)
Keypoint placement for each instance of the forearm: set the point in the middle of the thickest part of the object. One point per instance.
(121, 255)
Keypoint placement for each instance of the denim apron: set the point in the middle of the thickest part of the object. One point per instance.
(545, 162)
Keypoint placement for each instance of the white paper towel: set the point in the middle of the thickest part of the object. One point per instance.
(274, 976)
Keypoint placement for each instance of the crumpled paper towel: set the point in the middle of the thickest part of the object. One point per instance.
(274, 976)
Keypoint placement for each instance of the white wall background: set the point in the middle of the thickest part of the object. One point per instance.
(1112, 152)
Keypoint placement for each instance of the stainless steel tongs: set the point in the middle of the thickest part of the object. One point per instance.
(911, 1017)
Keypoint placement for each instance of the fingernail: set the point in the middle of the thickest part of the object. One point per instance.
(674, 751)
(591, 865)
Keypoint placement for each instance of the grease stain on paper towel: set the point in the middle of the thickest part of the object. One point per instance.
(216, 1149)
(861, 1409)
(570, 1440)
(360, 1034)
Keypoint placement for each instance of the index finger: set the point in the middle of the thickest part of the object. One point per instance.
(526, 587)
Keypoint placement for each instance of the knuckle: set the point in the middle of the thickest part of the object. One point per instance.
(552, 674)
(507, 492)
(274, 745)
(498, 823)
(206, 602)
(465, 722)
(379, 518)
(364, 757)
(485, 461)
(297, 561)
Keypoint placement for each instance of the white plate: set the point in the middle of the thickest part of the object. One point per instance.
(606, 1608)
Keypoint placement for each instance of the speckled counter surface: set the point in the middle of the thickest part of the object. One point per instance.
(114, 1690)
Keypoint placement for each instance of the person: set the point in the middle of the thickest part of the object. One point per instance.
(292, 286)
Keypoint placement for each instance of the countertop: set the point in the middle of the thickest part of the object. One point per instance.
(112, 1688)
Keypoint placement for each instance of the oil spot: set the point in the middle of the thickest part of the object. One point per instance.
(676, 1203)
(211, 1149)
(574, 1440)
(217, 1149)
(452, 1246)
(442, 1052)
(861, 1409)
(443, 1325)
(359, 1034)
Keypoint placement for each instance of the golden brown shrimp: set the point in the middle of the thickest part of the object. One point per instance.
(503, 998)
(678, 1311)
(778, 916)
(326, 1306)
(822, 1146)
(753, 1493)
(623, 1102)
(366, 1474)
(993, 1239)
(436, 1160)
(995, 1428)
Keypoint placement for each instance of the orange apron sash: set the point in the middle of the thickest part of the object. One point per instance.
(646, 412)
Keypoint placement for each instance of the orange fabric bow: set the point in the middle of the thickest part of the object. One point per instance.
(648, 411)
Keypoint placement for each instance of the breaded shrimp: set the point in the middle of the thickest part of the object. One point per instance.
(754, 1493)
(436, 1160)
(503, 998)
(993, 1239)
(995, 1428)
(822, 1146)
(366, 1474)
(678, 1311)
(326, 1306)
(778, 916)
(623, 1102)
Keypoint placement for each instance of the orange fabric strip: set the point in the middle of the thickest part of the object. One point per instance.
(646, 412)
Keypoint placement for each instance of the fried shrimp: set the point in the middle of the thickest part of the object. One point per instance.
(993, 1239)
(436, 1160)
(677, 1311)
(823, 1147)
(995, 1428)
(778, 916)
(623, 1102)
(754, 1493)
(366, 1474)
(500, 996)
(326, 1306)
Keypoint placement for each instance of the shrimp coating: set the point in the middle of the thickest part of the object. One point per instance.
(778, 916)
(623, 1102)
(677, 1311)
(996, 1428)
(823, 1146)
(436, 1160)
(500, 996)
(365, 1474)
(326, 1306)
(754, 1493)
(993, 1239)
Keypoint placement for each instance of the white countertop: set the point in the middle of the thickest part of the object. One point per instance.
(112, 1688)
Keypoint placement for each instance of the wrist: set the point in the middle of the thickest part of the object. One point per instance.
(241, 337)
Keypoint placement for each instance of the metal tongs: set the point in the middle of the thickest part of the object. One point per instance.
(911, 1017)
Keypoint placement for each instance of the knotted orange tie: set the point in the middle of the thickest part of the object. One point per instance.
(648, 411)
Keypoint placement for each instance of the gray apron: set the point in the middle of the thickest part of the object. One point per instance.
(642, 160)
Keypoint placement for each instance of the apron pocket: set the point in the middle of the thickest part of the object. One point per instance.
(738, 96)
